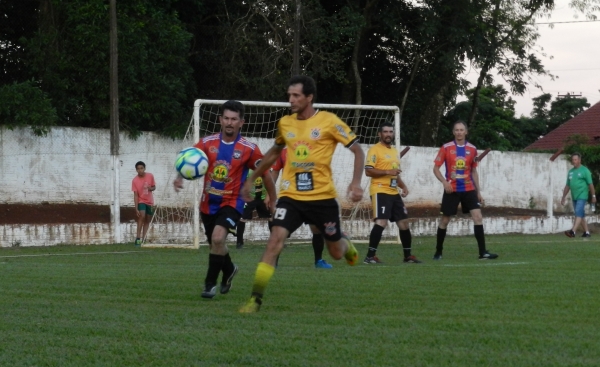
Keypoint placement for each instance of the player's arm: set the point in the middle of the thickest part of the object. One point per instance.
(592, 192)
(565, 192)
(402, 186)
(267, 161)
(355, 190)
(376, 173)
(475, 175)
(136, 201)
(438, 174)
(270, 186)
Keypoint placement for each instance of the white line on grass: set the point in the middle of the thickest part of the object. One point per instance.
(77, 253)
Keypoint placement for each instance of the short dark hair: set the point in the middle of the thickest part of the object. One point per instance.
(460, 122)
(140, 163)
(576, 154)
(235, 106)
(385, 124)
(308, 85)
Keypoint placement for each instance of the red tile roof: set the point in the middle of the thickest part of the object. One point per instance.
(586, 123)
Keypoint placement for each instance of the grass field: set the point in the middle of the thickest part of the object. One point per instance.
(537, 305)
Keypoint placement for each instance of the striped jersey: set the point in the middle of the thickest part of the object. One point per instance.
(229, 164)
(459, 161)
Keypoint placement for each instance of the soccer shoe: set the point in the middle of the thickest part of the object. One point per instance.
(252, 306)
(372, 260)
(437, 256)
(586, 235)
(239, 245)
(487, 256)
(226, 286)
(570, 233)
(351, 254)
(138, 242)
(209, 291)
(412, 260)
(322, 264)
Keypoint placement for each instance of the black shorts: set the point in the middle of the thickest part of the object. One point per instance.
(226, 217)
(260, 207)
(324, 214)
(468, 201)
(390, 207)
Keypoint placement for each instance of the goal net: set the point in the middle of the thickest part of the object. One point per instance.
(178, 223)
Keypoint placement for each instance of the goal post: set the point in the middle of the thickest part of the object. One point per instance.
(260, 127)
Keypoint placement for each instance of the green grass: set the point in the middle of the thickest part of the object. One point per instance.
(537, 305)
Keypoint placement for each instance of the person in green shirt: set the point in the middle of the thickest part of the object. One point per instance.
(579, 182)
(258, 204)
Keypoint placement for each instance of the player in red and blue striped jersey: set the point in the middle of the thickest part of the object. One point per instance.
(461, 186)
(230, 157)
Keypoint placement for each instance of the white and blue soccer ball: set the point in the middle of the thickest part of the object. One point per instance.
(191, 163)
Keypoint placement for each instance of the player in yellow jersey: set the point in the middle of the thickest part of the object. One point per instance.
(383, 166)
(307, 191)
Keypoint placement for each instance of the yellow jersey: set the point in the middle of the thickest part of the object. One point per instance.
(383, 158)
(310, 146)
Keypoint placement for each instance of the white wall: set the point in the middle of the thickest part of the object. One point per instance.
(72, 165)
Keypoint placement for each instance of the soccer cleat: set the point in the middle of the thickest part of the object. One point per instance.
(412, 260)
(138, 242)
(209, 291)
(372, 260)
(437, 256)
(586, 235)
(487, 256)
(226, 286)
(239, 245)
(570, 233)
(351, 254)
(252, 306)
(322, 264)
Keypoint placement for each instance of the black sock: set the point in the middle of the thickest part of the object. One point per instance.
(241, 227)
(215, 265)
(479, 236)
(406, 239)
(374, 239)
(441, 236)
(318, 244)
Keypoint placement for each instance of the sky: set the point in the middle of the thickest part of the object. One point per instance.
(575, 52)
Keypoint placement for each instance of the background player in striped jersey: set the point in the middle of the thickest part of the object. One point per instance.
(307, 190)
(230, 157)
(318, 243)
(461, 186)
(383, 166)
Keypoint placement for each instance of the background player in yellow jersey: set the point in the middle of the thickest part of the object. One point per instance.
(307, 191)
(383, 166)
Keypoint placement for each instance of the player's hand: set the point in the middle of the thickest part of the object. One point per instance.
(394, 172)
(246, 189)
(447, 187)
(178, 183)
(355, 192)
(404, 192)
(480, 199)
(137, 212)
(562, 201)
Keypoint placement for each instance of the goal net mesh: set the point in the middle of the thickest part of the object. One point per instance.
(177, 222)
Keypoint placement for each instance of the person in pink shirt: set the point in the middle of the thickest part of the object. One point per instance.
(142, 186)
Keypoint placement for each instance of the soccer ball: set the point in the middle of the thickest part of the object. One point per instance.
(191, 163)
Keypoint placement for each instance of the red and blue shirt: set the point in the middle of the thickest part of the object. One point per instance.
(228, 168)
(459, 162)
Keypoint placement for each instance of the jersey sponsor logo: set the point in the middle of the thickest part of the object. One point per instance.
(460, 163)
(394, 165)
(237, 154)
(330, 229)
(304, 181)
(220, 172)
(303, 165)
(290, 135)
(301, 150)
(315, 134)
(468, 152)
(393, 182)
(388, 156)
(213, 150)
(285, 184)
(374, 158)
(341, 131)
(213, 191)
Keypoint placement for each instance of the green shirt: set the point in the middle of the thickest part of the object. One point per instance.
(259, 187)
(579, 181)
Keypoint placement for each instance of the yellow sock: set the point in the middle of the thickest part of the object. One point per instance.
(264, 272)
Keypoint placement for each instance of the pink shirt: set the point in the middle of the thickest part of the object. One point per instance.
(141, 186)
